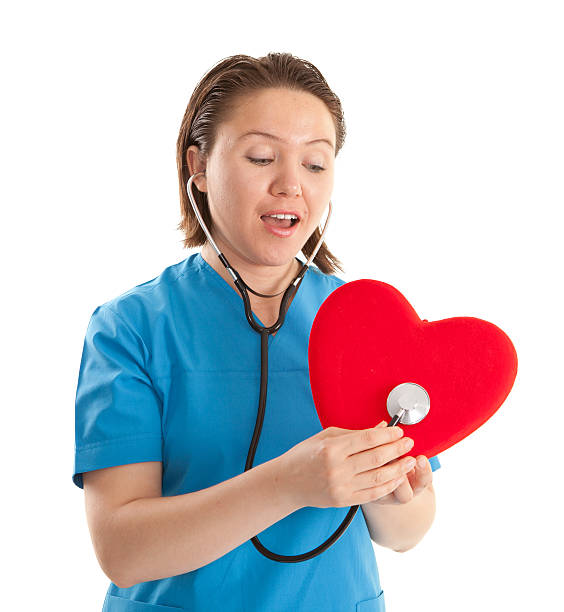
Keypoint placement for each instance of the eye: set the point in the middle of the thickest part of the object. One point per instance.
(258, 161)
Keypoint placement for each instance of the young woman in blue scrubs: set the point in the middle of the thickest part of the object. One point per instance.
(168, 387)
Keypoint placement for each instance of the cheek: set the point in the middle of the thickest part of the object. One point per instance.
(320, 209)
(319, 191)
(240, 188)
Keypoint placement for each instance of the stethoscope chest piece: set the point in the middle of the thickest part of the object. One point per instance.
(408, 403)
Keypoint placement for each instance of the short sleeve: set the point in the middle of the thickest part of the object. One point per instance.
(117, 411)
(435, 463)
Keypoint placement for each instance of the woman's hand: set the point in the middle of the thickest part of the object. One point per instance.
(345, 467)
(414, 483)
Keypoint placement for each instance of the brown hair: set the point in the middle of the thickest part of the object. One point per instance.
(211, 103)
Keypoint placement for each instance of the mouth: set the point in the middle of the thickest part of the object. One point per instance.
(281, 224)
(281, 218)
(284, 221)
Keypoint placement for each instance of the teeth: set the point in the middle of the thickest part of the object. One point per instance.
(281, 216)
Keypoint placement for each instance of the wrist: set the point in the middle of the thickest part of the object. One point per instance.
(282, 485)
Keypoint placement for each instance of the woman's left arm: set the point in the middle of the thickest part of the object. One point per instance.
(400, 519)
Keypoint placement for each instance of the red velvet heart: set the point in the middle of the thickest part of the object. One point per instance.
(366, 339)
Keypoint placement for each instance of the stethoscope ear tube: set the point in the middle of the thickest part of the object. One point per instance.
(222, 257)
(264, 333)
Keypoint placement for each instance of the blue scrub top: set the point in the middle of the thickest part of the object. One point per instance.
(170, 372)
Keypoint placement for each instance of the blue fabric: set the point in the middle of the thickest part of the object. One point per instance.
(170, 372)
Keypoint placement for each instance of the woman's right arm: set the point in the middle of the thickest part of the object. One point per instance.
(138, 535)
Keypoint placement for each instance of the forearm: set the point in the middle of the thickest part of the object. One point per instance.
(401, 526)
(159, 537)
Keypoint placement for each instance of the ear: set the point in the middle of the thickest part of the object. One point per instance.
(197, 163)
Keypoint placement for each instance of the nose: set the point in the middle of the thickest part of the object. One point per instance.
(287, 183)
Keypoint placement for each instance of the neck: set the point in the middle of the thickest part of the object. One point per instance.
(261, 278)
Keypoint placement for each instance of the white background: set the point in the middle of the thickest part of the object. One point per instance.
(449, 187)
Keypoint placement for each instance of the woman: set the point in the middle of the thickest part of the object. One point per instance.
(168, 386)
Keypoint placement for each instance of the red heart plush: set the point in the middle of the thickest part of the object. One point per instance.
(366, 339)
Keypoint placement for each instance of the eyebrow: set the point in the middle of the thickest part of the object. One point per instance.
(273, 137)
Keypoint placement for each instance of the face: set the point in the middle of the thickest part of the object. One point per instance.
(248, 176)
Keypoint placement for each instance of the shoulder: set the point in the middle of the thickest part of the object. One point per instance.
(319, 286)
(138, 306)
(327, 281)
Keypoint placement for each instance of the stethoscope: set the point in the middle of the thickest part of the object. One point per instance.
(408, 402)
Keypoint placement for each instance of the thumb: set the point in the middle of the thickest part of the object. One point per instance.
(382, 424)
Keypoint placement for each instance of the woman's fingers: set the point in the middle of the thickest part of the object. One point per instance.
(365, 439)
(422, 475)
(375, 458)
(403, 493)
(391, 471)
(380, 456)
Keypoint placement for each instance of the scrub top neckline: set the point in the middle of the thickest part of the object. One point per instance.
(234, 293)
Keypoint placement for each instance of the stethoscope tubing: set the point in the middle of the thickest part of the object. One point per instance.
(264, 333)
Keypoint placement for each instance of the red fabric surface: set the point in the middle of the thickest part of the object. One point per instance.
(367, 338)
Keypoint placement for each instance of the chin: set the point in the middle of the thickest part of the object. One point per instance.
(276, 259)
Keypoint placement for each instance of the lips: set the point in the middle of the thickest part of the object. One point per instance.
(276, 222)
(274, 227)
(283, 212)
